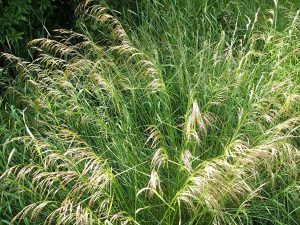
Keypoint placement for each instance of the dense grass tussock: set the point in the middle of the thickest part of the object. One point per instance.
(183, 113)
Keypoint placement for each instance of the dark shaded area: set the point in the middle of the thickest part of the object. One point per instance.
(24, 20)
(64, 18)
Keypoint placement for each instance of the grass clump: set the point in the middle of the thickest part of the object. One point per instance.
(179, 113)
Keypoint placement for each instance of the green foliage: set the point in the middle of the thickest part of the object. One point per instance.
(181, 112)
(19, 20)
(23, 20)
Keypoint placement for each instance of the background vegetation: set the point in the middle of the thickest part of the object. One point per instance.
(24, 20)
(163, 112)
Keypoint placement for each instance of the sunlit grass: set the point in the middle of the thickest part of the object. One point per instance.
(180, 114)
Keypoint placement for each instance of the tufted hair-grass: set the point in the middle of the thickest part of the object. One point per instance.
(182, 112)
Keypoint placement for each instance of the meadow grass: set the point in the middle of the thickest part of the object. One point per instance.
(179, 112)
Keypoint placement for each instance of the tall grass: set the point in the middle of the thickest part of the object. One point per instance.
(179, 113)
